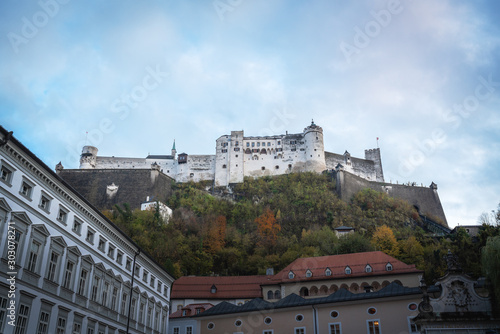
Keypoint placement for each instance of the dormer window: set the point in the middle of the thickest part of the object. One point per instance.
(347, 270)
(388, 266)
(291, 275)
(309, 273)
(328, 272)
(213, 289)
(368, 268)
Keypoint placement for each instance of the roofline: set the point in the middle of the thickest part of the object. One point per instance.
(4, 132)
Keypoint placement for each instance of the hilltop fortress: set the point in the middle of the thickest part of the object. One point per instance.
(237, 156)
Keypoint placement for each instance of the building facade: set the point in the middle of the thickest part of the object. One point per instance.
(237, 156)
(64, 267)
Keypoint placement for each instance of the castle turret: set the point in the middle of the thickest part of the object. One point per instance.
(174, 151)
(315, 151)
(374, 155)
(88, 158)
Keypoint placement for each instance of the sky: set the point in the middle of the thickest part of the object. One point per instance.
(129, 77)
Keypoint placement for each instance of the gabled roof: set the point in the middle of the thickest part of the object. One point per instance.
(191, 310)
(337, 263)
(292, 300)
(228, 287)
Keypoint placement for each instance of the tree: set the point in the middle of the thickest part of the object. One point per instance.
(384, 240)
(491, 265)
(412, 252)
(268, 227)
(215, 235)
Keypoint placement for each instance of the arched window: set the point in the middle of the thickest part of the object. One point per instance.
(270, 294)
(224, 166)
(291, 275)
(309, 273)
(277, 294)
(347, 270)
(304, 292)
(255, 157)
(328, 272)
(313, 291)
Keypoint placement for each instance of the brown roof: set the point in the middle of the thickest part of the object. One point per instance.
(337, 264)
(191, 310)
(228, 287)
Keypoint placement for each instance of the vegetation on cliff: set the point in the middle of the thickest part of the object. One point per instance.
(271, 221)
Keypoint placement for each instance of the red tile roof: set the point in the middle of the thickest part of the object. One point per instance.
(191, 310)
(337, 264)
(228, 287)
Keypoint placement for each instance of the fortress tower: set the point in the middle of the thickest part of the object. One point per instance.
(88, 158)
(314, 147)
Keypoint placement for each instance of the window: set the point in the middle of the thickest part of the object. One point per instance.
(414, 328)
(105, 294)
(334, 314)
(291, 275)
(177, 330)
(111, 251)
(141, 313)
(43, 323)
(268, 331)
(102, 244)
(90, 236)
(83, 282)
(3, 312)
(95, 288)
(388, 266)
(26, 189)
(238, 323)
(258, 144)
(189, 330)
(301, 330)
(22, 319)
(6, 174)
(53, 262)
(68, 273)
(119, 257)
(263, 168)
(124, 303)
(77, 227)
(152, 281)
(114, 296)
(335, 328)
(270, 295)
(373, 327)
(33, 257)
(368, 268)
(165, 291)
(158, 287)
(347, 270)
(145, 275)
(157, 323)
(268, 320)
(61, 325)
(211, 325)
(150, 313)
(44, 203)
(132, 312)
(328, 272)
(62, 216)
(137, 270)
(309, 273)
(77, 328)
(224, 166)
(128, 264)
(299, 317)
(371, 310)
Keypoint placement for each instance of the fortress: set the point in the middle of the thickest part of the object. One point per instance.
(237, 156)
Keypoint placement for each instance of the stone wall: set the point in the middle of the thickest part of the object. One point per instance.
(106, 187)
(425, 199)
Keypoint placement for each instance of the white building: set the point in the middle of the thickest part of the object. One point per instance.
(237, 156)
(72, 268)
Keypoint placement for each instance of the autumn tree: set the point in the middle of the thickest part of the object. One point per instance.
(412, 251)
(268, 227)
(384, 240)
(215, 234)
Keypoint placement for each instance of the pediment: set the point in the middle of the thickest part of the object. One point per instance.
(22, 216)
(88, 258)
(4, 205)
(59, 240)
(75, 250)
(40, 228)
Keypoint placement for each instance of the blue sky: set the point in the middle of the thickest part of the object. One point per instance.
(423, 76)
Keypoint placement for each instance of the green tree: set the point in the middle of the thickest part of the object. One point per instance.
(491, 266)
